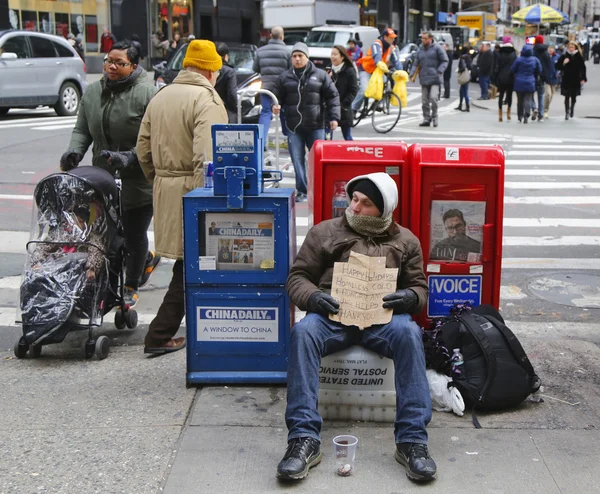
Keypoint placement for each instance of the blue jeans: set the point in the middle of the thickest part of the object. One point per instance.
(315, 337)
(464, 93)
(484, 84)
(264, 118)
(297, 142)
(363, 79)
(346, 133)
(540, 90)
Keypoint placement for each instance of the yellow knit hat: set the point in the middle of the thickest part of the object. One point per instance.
(202, 54)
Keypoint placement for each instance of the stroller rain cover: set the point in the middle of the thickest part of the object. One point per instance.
(66, 269)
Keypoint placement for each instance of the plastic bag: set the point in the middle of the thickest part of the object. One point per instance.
(400, 79)
(375, 87)
(444, 399)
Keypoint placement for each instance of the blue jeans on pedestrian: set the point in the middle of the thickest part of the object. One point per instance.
(315, 337)
(363, 79)
(484, 84)
(264, 118)
(464, 93)
(297, 142)
(540, 90)
(346, 133)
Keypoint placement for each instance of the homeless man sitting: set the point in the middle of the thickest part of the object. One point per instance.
(366, 228)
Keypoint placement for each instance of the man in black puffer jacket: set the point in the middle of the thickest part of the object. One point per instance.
(271, 61)
(309, 98)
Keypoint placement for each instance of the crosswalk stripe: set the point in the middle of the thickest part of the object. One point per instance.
(551, 222)
(553, 173)
(552, 200)
(554, 146)
(550, 263)
(39, 120)
(54, 127)
(548, 162)
(552, 185)
(567, 240)
(519, 152)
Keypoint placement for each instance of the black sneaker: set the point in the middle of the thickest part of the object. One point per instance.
(425, 123)
(302, 454)
(415, 457)
(151, 263)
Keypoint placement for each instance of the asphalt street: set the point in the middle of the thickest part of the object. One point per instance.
(550, 292)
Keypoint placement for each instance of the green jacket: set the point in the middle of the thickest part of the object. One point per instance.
(110, 119)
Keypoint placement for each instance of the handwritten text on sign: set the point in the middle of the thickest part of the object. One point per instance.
(359, 286)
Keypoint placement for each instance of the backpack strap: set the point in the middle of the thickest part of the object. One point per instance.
(484, 343)
(518, 352)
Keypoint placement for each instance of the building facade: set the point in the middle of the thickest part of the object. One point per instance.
(223, 20)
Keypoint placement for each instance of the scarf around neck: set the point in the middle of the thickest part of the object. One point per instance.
(336, 68)
(367, 225)
(123, 83)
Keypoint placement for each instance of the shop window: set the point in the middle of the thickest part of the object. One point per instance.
(13, 18)
(46, 22)
(42, 47)
(62, 25)
(77, 24)
(181, 17)
(29, 19)
(91, 33)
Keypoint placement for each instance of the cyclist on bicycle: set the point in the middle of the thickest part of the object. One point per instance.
(381, 50)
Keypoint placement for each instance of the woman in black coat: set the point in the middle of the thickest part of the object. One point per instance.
(343, 75)
(504, 77)
(573, 77)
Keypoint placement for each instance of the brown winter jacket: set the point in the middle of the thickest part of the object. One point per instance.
(332, 240)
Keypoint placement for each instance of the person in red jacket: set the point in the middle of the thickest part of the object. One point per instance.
(107, 40)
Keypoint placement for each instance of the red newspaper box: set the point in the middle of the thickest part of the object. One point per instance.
(457, 206)
(331, 164)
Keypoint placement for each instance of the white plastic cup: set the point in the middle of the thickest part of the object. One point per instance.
(345, 453)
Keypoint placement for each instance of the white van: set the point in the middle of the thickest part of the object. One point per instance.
(322, 38)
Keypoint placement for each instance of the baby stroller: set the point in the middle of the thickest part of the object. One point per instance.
(73, 273)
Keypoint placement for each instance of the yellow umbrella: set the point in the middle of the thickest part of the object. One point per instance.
(538, 14)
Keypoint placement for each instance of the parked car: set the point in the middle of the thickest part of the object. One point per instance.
(241, 57)
(39, 69)
(407, 55)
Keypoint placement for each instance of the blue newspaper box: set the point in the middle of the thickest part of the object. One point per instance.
(239, 243)
(238, 152)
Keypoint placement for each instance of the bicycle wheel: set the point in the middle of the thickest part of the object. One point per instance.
(386, 113)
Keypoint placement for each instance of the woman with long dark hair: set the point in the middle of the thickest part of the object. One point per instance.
(343, 74)
(504, 77)
(573, 77)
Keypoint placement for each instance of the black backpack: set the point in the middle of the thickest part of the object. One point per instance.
(496, 373)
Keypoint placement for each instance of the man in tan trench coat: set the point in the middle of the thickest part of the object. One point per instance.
(173, 143)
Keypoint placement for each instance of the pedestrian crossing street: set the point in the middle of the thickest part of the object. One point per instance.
(551, 215)
(45, 119)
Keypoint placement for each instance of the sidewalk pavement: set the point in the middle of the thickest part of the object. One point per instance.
(587, 106)
(128, 424)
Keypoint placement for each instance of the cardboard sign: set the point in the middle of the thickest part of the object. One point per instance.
(359, 285)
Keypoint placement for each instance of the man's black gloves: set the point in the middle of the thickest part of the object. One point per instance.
(120, 159)
(323, 304)
(70, 160)
(401, 301)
